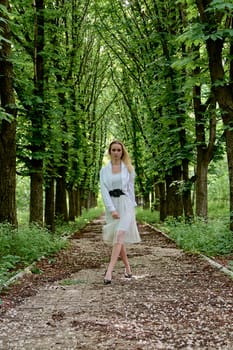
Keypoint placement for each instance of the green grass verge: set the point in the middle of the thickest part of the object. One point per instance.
(20, 248)
(212, 239)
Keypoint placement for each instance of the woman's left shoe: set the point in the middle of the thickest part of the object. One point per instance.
(128, 275)
(106, 281)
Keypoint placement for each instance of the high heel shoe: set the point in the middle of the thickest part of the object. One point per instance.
(128, 275)
(106, 281)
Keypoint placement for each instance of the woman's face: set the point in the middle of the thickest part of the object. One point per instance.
(116, 151)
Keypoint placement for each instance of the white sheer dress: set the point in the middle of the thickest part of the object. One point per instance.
(127, 221)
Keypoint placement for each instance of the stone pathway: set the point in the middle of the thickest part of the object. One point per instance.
(174, 301)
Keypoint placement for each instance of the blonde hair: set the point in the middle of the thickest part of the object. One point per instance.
(125, 155)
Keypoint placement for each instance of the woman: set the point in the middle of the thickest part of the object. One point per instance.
(117, 189)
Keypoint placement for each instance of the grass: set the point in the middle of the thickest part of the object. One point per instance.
(146, 215)
(212, 239)
(20, 248)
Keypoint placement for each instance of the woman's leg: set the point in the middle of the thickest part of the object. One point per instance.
(115, 255)
(124, 257)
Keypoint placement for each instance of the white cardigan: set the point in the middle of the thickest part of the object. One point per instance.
(127, 180)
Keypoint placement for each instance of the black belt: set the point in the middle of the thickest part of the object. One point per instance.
(116, 193)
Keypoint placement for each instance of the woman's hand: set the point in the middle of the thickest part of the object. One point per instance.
(115, 215)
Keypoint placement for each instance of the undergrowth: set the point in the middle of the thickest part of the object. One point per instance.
(211, 238)
(25, 245)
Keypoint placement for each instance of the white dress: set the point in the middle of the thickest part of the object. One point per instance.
(127, 221)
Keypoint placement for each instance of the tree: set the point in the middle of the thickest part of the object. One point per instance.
(8, 113)
(217, 27)
(37, 116)
(61, 121)
(144, 46)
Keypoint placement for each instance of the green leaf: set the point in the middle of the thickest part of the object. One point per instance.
(5, 116)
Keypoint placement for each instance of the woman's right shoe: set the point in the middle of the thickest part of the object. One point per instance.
(128, 275)
(107, 281)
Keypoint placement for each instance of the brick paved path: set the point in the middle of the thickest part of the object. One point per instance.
(175, 301)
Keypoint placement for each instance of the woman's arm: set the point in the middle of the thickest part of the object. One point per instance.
(105, 193)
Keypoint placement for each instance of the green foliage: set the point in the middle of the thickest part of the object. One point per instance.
(22, 198)
(66, 229)
(218, 193)
(220, 5)
(20, 248)
(5, 116)
(146, 215)
(212, 238)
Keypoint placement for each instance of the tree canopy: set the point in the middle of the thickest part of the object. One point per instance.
(157, 75)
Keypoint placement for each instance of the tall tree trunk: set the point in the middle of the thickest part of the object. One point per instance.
(186, 193)
(162, 202)
(156, 195)
(173, 193)
(204, 151)
(61, 210)
(7, 127)
(201, 187)
(50, 205)
(222, 90)
(71, 194)
(78, 205)
(229, 143)
(92, 201)
(37, 145)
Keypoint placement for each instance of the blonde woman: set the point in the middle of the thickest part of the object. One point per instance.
(117, 189)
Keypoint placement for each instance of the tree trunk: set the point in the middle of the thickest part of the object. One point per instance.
(162, 201)
(7, 127)
(174, 196)
(37, 113)
(155, 196)
(229, 143)
(201, 188)
(92, 201)
(146, 200)
(50, 205)
(61, 211)
(186, 193)
(204, 150)
(222, 90)
(71, 205)
(78, 206)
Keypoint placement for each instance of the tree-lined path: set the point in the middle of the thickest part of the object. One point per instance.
(174, 301)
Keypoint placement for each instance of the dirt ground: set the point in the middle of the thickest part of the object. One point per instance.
(174, 300)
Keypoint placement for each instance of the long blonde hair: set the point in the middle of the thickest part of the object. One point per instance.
(125, 155)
